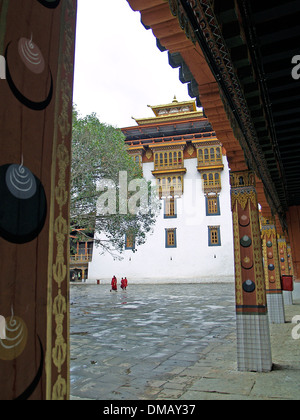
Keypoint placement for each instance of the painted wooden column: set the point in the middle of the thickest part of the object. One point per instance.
(282, 251)
(37, 40)
(284, 266)
(290, 259)
(272, 271)
(253, 337)
(293, 222)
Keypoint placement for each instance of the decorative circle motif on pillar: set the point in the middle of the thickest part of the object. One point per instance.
(20, 182)
(272, 279)
(27, 74)
(31, 56)
(246, 241)
(248, 286)
(247, 263)
(271, 267)
(23, 204)
(244, 220)
(269, 244)
(51, 4)
(16, 338)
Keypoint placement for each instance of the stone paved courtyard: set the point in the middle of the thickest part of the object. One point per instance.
(124, 345)
(172, 342)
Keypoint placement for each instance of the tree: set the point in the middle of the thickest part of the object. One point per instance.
(109, 196)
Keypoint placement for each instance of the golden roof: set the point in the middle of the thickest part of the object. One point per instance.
(173, 111)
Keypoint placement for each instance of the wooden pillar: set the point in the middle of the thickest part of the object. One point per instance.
(253, 337)
(284, 266)
(293, 221)
(37, 39)
(290, 259)
(272, 271)
(282, 251)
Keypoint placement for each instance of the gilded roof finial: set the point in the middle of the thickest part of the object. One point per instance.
(175, 99)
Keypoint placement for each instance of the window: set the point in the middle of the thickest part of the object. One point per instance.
(138, 160)
(168, 160)
(214, 237)
(206, 155)
(171, 238)
(200, 156)
(170, 185)
(170, 208)
(212, 205)
(129, 241)
(209, 156)
(211, 180)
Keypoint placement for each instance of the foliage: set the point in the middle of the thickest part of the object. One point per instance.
(99, 155)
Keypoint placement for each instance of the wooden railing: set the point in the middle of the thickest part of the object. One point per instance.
(207, 163)
(168, 166)
(81, 258)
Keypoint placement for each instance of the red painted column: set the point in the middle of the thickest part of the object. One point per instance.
(284, 267)
(293, 221)
(272, 271)
(253, 337)
(282, 251)
(290, 259)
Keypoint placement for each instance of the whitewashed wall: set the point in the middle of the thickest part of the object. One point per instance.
(193, 260)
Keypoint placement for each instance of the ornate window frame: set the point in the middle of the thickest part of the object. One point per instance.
(170, 207)
(171, 237)
(214, 236)
(212, 198)
(129, 242)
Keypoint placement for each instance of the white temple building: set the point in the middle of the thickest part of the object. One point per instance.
(192, 240)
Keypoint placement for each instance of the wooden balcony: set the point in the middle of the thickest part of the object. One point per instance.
(210, 186)
(165, 169)
(167, 161)
(80, 259)
(202, 166)
(210, 157)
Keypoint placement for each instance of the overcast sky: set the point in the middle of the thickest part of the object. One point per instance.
(118, 68)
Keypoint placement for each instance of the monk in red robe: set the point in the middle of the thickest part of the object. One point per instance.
(124, 283)
(114, 283)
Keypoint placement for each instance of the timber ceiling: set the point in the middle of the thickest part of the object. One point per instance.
(263, 37)
(249, 47)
